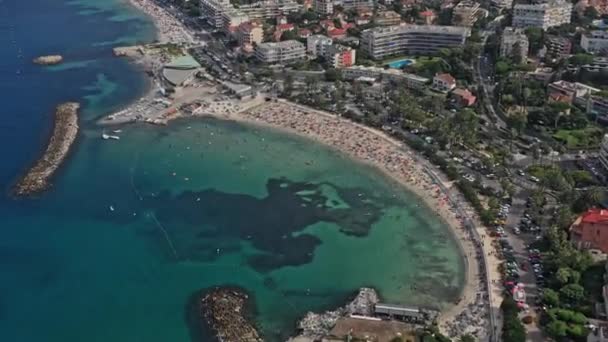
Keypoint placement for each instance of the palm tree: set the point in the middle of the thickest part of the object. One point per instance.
(593, 196)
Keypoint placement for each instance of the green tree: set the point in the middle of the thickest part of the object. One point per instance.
(550, 297)
(333, 74)
(535, 38)
(572, 293)
(557, 329)
(288, 85)
(581, 59)
(467, 338)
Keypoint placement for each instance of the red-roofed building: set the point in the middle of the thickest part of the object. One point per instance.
(336, 33)
(464, 97)
(285, 27)
(590, 230)
(327, 24)
(428, 16)
(304, 33)
(444, 82)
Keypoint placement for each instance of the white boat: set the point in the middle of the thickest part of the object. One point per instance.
(105, 136)
(111, 208)
(117, 131)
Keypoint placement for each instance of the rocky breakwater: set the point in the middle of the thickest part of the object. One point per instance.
(316, 326)
(64, 133)
(49, 60)
(225, 311)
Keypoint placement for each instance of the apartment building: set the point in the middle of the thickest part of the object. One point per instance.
(339, 56)
(502, 4)
(387, 18)
(284, 52)
(603, 155)
(324, 7)
(512, 37)
(381, 42)
(270, 8)
(558, 47)
(250, 33)
(213, 10)
(354, 4)
(316, 44)
(543, 15)
(466, 13)
(232, 19)
(599, 64)
(595, 41)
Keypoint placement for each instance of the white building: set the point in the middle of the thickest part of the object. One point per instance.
(375, 73)
(232, 19)
(466, 13)
(512, 37)
(595, 41)
(324, 7)
(269, 9)
(339, 56)
(212, 11)
(315, 45)
(381, 42)
(502, 4)
(543, 15)
(604, 153)
(444, 82)
(284, 52)
(354, 4)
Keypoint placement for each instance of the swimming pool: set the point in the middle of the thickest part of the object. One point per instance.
(398, 64)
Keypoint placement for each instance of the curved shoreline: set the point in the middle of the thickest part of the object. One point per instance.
(398, 162)
(65, 131)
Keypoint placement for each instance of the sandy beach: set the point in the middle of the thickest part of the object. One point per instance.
(170, 29)
(400, 163)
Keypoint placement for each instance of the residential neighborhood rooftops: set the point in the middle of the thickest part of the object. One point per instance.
(595, 216)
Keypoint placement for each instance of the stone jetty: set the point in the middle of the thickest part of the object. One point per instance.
(64, 133)
(316, 326)
(224, 310)
(49, 60)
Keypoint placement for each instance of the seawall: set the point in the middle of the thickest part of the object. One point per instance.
(65, 130)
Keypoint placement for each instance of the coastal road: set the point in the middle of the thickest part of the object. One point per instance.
(519, 244)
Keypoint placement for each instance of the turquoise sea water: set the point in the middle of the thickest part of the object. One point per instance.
(199, 203)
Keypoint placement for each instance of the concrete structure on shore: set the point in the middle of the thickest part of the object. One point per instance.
(382, 42)
(181, 70)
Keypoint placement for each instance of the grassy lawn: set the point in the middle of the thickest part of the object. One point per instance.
(579, 138)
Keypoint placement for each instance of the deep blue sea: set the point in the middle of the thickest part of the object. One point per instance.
(197, 204)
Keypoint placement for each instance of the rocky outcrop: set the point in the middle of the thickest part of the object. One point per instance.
(64, 133)
(316, 326)
(49, 60)
(224, 310)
